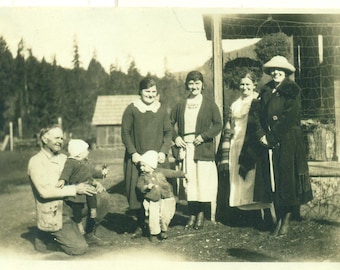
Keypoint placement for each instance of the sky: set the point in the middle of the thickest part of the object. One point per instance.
(156, 37)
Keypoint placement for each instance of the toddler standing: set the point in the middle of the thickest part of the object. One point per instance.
(159, 201)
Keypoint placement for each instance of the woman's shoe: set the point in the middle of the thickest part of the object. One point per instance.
(199, 221)
(285, 224)
(277, 228)
(191, 223)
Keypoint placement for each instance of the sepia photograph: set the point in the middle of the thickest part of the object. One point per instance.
(169, 135)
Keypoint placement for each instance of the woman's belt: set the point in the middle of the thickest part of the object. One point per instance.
(189, 137)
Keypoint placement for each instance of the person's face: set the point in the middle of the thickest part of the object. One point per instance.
(247, 87)
(195, 87)
(278, 75)
(149, 95)
(53, 140)
(83, 155)
(145, 167)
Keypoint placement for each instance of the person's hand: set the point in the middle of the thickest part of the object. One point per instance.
(150, 186)
(99, 187)
(105, 171)
(136, 158)
(83, 188)
(60, 184)
(198, 140)
(161, 157)
(263, 140)
(187, 178)
(180, 142)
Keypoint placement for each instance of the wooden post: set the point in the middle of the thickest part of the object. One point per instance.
(218, 81)
(20, 127)
(5, 142)
(218, 63)
(60, 122)
(337, 117)
(336, 53)
(11, 136)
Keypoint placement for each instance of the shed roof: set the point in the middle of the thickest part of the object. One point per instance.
(239, 26)
(109, 109)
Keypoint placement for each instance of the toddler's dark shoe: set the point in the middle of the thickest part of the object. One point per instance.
(154, 238)
(163, 236)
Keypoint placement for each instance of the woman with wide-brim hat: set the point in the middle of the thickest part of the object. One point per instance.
(279, 129)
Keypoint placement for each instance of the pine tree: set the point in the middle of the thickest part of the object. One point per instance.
(6, 73)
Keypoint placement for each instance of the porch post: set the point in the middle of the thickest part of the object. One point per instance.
(337, 116)
(217, 62)
(336, 66)
(218, 81)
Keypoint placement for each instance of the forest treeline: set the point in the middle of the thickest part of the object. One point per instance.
(40, 92)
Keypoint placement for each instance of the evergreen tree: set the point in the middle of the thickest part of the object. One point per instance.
(132, 79)
(116, 81)
(6, 88)
(76, 56)
(171, 90)
(16, 102)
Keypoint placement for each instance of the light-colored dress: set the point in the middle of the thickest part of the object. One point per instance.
(241, 190)
(202, 186)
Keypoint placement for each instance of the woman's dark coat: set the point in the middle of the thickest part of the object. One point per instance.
(276, 114)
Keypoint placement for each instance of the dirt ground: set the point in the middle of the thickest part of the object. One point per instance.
(316, 241)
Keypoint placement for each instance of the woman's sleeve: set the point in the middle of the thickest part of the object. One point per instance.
(126, 131)
(167, 133)
(228, 130)
(255, 115)
(216, 123)
(174, 122)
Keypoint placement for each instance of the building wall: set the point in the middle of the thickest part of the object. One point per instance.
(109, 136)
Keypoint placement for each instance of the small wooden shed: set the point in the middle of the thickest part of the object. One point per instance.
(107, 118)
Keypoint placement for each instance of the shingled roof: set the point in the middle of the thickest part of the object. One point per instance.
(109, 109)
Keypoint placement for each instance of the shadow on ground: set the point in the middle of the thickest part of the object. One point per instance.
(250, 256)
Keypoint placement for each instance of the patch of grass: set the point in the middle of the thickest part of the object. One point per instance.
(13, 168)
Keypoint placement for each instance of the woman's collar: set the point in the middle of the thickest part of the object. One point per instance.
(142, 107)
(196, 99)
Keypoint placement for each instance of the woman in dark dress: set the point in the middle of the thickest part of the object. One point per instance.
(277, 122)
(145, 126)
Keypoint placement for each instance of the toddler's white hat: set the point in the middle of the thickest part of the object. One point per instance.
(76, 147)
(151, 158)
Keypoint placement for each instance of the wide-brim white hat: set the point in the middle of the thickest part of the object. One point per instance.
(278, 61)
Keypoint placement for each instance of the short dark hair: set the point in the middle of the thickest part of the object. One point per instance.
(146, 83)
(194, 75)
(250, 75)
